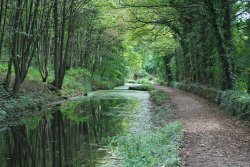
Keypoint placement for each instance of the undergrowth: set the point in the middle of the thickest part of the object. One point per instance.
(232, 102)
(160, 146)
(143, 87)
(237, 104)
(159, 97)
(156, 148)
(76, 82)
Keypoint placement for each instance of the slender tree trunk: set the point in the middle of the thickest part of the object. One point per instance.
(56, 44)
(248, 88)
(14, 52)
(8, 76)
(4, 24)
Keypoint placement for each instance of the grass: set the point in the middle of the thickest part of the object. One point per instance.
(156, 148)
(34, 93)
(76, 81)
(160, 146)
(159, 97)
(14, 108)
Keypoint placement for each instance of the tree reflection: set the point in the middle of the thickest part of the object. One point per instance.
(70, 136)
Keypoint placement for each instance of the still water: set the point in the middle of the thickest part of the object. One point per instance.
(74, 133)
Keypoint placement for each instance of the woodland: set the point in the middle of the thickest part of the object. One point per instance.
(53, 50)
(201, 42)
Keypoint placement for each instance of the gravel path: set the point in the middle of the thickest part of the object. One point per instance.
(211, 140)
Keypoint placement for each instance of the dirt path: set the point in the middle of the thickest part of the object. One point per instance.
(211, 140)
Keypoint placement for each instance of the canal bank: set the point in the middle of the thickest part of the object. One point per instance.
(85, 132)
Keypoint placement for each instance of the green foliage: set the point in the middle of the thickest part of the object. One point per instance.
(144, 87)
(101, 83)
(22, 102)
(200, 90)
(159, 97)
(3, 68)
(237, 104)
(162, 114)
(156, 148)
(173, 68)
(34, 74)
(233, 102)
(241, 83)
(143, 81)
(79, 81)
(141, 74)
(134, 60)
(162, 82)
(2, 114)
(202, 48)
(76, 82)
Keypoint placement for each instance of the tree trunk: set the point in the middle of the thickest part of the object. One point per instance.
(224, 49)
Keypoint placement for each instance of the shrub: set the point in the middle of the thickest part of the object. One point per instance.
(143, 81)
(211, 94)
(142, 74)
(144, 87)
(236, 103)
(100, 83)
(76, 81)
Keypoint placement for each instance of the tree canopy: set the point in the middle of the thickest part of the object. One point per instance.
(203, 42)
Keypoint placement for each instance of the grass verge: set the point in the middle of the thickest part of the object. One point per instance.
(156, 148)
(159, 97)
(161, 145)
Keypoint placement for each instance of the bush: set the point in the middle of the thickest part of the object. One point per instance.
(100, 83)
(142, 74)
(76, 81)
(141, 87)
(143, 81)
(236, 103)
(211, 94)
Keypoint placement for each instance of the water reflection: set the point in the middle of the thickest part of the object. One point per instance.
(73, 135)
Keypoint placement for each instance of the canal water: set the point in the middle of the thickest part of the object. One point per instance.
(76, 133)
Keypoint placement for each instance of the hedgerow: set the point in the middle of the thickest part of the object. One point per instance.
(232, 102)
